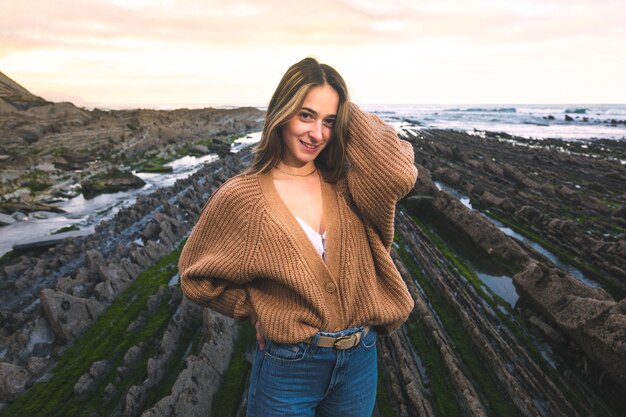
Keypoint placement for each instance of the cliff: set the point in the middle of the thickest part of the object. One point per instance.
(15, 97)
(48, 149)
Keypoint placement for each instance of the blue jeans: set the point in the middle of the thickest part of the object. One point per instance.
(307, 380)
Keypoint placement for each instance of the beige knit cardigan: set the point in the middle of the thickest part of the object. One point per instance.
(248, 257)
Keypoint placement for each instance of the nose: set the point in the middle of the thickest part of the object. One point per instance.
(316, 131)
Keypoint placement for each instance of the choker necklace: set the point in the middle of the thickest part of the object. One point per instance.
(296, 175)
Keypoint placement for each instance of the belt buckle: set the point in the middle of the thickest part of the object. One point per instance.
(341, 338)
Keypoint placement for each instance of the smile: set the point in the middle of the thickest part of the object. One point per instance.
(308, 145)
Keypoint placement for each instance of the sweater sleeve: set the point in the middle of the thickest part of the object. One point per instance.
(381, 170)
(212, 265)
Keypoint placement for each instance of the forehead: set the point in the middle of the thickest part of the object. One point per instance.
(322, 99)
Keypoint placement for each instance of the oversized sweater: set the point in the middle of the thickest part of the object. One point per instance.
(247, 256)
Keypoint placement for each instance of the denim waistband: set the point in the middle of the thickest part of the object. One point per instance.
(344, 332)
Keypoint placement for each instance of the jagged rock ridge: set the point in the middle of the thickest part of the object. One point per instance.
(13, 96)
(102, 266)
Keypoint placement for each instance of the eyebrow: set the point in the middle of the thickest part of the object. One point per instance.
(315, 113)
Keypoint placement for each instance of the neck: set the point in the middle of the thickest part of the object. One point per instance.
(298, 171)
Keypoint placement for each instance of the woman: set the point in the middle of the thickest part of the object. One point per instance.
(299, 244)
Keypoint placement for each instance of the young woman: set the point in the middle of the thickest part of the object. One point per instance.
(299, 244)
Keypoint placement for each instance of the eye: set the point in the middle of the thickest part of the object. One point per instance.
(329, 122)
(305, 115)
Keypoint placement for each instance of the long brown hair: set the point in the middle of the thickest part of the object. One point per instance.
(285, 104)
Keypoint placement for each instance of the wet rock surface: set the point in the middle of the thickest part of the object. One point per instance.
(571, 194)
(110, 182)
(192, 393)
(522, 379)
(62, 291)
(68, 315)
(513, 354)
(47, 148)
(587, 315)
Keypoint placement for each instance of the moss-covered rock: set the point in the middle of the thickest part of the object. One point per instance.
(111, 182)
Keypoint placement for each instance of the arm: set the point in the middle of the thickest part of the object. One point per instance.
(381, 170)
(212, 263)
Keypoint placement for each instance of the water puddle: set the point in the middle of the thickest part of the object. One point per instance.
(84, 214)
(501, 285)
(575, 272)
(245, 141)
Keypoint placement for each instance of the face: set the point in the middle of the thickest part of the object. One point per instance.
(308, 132)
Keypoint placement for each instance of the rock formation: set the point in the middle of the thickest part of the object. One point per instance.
(48, 300)
(492, 359)
(47, 148)
(15, 97)
(569, 194)
(588, 315)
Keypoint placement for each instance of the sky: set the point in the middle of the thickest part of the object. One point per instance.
(192, 53)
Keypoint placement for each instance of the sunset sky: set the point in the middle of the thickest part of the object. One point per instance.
(171, 53)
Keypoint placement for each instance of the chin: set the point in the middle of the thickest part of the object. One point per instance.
(306, 160)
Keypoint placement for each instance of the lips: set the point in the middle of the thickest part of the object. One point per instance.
(308, 145)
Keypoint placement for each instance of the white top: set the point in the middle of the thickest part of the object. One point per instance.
(318, 241)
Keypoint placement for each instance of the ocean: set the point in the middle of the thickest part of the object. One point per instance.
(531, 121)
(538, 121)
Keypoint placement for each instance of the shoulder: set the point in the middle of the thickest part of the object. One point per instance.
(359, 118)
(240, 191)
(240, 185)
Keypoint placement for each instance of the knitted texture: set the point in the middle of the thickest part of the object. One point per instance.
(248, 256)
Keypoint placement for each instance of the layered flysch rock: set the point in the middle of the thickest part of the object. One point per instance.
(79, 279)
(587, 315)
(193, 391)
(15, 97)
(47, 301)
(48, 149)
(519, 376)
(570, 194)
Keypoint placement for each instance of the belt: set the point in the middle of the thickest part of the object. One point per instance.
(341, 342)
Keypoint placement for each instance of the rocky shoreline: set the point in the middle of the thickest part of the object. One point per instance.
(42, 172)
(50, 151)
(51, 302)
(568, 313)
(569, 194)
(544, 189)
(47, 301)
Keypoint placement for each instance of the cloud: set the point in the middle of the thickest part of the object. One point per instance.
(135, 24)
(161, 48)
